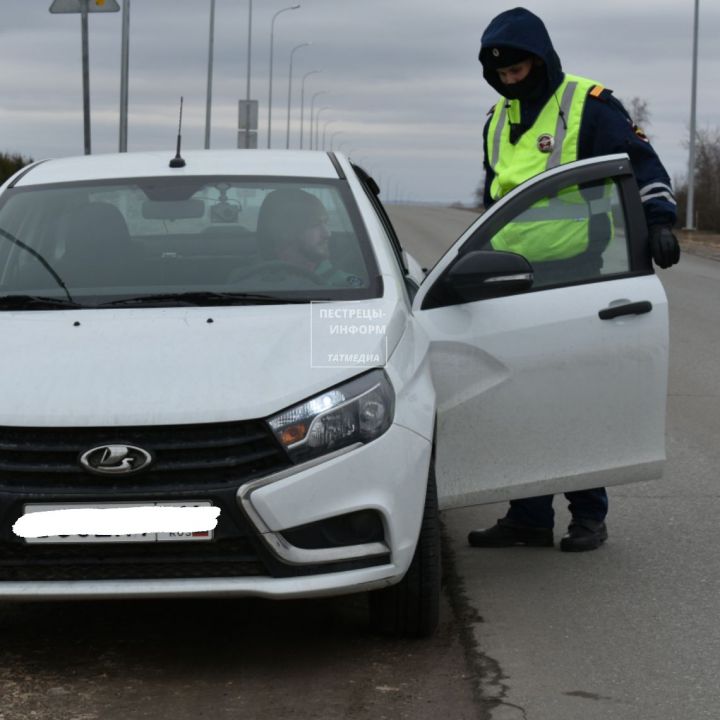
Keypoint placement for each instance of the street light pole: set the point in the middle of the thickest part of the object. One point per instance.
(85, 73)
(312, 116)
(317, 125)
(333, 136)
(124, 62)
(325, 127)
(302, 103)
(690, 213)
(292, 53)
(211, 49)
(272, 44)
(249, 60)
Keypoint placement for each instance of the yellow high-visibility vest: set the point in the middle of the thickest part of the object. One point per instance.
(554, 228)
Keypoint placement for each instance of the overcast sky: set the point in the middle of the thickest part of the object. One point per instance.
(401, 78)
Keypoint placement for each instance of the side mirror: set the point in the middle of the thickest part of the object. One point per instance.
(484, 274)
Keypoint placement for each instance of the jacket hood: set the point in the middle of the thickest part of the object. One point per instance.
(521, 30)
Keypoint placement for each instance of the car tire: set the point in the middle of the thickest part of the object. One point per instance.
(411, 608)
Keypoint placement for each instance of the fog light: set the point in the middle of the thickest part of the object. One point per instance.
(357, 528)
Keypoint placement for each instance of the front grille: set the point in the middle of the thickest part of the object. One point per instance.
(224, 558)
(214, 453)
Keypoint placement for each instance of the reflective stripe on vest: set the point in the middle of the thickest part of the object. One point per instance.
(561, 126)
(551, 229)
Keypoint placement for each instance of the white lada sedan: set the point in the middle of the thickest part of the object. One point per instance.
(227, 378)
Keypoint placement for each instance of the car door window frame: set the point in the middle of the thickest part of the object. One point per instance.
(616, 168)
(364, 179)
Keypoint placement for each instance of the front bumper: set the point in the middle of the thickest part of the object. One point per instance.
(387, 476)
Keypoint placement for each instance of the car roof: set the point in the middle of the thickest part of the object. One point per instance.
(280, 163)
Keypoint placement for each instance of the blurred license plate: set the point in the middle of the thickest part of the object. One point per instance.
(123, 538)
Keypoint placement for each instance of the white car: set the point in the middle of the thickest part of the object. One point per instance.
(227, 378)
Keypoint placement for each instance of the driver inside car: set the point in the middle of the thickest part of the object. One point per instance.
(293, 235)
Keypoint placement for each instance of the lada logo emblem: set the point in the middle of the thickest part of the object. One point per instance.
(115, 459)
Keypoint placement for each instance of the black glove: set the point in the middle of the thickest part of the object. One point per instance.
(664, 246)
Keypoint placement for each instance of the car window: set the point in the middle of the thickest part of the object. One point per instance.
(287, 237)
(577, 234)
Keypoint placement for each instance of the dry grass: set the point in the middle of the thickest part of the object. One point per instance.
(702, 243)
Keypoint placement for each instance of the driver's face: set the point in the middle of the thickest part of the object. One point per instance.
(314, 241)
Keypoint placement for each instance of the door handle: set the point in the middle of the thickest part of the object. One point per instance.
(636, 308)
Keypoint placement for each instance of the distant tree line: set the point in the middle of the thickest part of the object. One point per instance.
(10, 163)
(707, 183)
(707, 172)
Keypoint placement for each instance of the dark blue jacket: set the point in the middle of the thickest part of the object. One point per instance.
(606, 127)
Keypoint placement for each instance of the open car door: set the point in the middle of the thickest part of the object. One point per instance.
(551, 375)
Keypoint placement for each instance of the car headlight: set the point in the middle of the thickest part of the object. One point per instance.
(357, 411)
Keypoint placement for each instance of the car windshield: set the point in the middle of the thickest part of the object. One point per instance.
(191, 240)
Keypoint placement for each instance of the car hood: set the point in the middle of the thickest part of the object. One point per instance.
(183, 365)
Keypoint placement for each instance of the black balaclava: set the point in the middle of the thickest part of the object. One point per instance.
(533, 87)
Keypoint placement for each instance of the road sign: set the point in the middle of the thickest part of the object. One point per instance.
(247, 140)
(247, 124)
(75, 6)
(246, 114)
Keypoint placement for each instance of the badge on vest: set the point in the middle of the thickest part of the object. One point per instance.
(546, 143)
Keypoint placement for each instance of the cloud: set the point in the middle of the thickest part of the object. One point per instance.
(401, 77)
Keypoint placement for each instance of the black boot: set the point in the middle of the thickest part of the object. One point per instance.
(584, 535)
(506, 533)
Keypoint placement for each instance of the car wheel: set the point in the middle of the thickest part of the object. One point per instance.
(411, 608)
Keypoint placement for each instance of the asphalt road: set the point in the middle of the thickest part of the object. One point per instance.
(630, 631)
(243, 659)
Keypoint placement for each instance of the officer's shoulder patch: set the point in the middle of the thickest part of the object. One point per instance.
(640, 133)
(600, 92)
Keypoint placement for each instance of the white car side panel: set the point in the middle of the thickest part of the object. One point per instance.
(409, 372)
(537, 395)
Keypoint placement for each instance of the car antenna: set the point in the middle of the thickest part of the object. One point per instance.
(177, 161)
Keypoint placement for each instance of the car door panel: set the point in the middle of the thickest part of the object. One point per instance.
(542, 396)
(552, 390)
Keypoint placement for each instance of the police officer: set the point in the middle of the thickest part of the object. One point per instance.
(519, 61)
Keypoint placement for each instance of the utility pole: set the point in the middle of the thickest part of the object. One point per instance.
(272, 46)
(124, 69)
(211, 50)
(85, 74)
(247, 94)
(292, 54)
(690, 214)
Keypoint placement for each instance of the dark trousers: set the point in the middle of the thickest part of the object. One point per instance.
(538, 511)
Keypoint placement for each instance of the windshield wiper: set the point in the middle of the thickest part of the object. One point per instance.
(9, 236)
(36, 302)
(207, 299)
